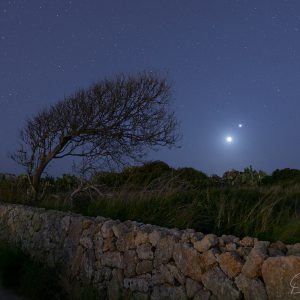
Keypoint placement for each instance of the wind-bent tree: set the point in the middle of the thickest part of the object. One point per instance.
(114, 120)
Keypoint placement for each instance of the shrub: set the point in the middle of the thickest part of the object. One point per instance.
(193, 177)
(65, 183)
(283, 177)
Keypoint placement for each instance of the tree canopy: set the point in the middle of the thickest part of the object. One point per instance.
(115, 120)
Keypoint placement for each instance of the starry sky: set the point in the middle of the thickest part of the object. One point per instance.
(229, 62)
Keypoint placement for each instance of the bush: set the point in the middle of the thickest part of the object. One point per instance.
(248, 177)
(283, 177)
(13, 190)
(65, 183)
(138, 176)
(193, 177)
(147, 173)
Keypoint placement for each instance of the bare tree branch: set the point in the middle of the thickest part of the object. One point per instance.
(115, 120)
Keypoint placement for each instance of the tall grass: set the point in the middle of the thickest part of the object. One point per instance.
(268, 213)
(267, 208)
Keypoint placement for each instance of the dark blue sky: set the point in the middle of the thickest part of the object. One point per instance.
(229, 62)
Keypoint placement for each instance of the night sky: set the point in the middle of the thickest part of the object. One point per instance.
(229, 62)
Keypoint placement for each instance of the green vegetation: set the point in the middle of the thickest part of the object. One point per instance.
(18, 272)
(239, 203)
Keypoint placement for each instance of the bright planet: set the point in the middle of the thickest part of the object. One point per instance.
(229, 139)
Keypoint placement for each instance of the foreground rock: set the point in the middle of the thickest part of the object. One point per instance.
(282, 277)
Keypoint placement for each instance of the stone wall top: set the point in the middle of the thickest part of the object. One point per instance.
(132, 260)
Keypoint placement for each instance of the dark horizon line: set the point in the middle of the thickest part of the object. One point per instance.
(178, 168)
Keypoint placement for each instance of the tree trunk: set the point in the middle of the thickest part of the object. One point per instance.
(36, 180)
(32, 194)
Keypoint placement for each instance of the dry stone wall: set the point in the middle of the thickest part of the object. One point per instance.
(131, 260)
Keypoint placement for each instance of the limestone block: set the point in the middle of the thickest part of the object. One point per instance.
(144, 266)
(164, 250)
(230, 263)
(130, 262)
(252, 289)
(282, 277)
(209, 241)
(140, 283)
(219, 284)
(188, 261)
(254, 261)
(168, 292)
(112, 259)
(144, 251)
